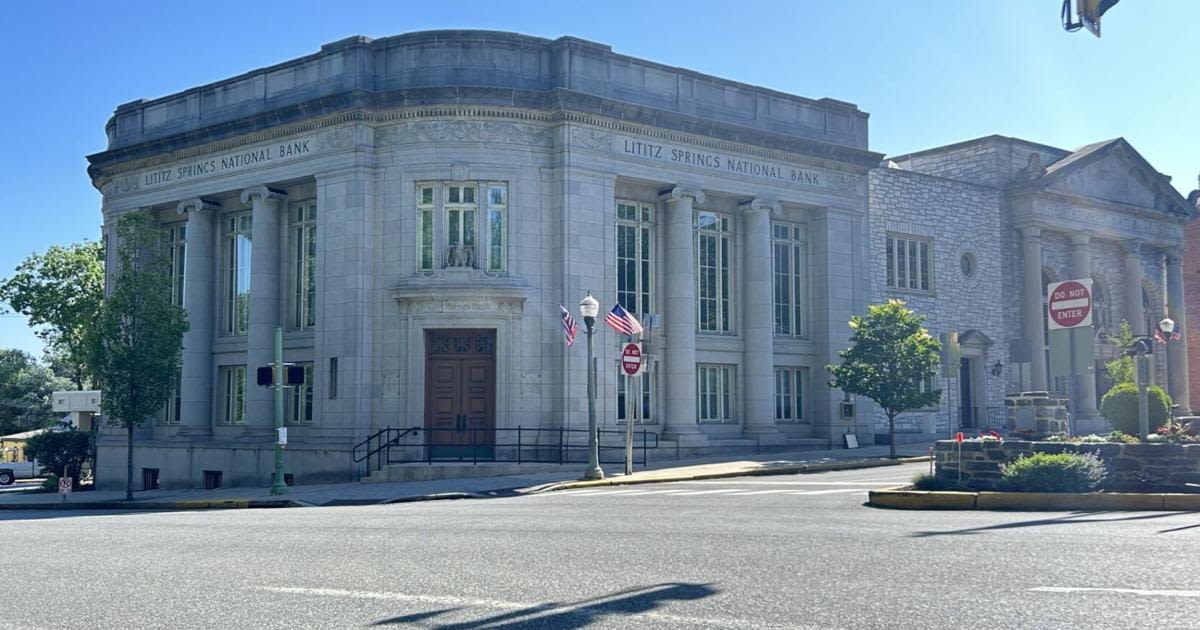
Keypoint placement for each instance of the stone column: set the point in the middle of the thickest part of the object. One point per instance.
(1135, 313)
(265, 282)
(1032, 312)
(1177, 365)
(679, 316)
(758, 321)
(195, 414)
(1085, 385)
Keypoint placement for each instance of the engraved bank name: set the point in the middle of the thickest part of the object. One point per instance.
(718, 162)
(225, 163)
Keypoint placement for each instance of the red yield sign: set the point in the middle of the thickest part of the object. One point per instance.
(1070, 303)
(631, 359)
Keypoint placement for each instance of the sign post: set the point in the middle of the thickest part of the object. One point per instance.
(64, 486)
(1069, 319)
(631, 363)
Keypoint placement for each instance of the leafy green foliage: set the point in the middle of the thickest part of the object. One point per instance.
(60, 292)
(1053, 472)
(890, 355)
(1120, 407)
(926, 481)
(61, 452)
(140, 332)
(25, 390)
(1122, 369)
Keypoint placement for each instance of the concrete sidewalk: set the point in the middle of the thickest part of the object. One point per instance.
(709, 467)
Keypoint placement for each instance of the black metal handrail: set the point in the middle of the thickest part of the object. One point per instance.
(513, 445)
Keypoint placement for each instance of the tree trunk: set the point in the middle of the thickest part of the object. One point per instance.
(891, 432)
(129, 464)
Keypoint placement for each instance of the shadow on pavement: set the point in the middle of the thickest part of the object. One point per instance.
(43, 514)
(1077, 517)
(568, 615)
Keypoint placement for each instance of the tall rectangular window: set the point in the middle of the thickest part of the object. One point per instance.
(170, 412)
(175, 237)
(237, 273)
(304, 265)
(233, 394)
(714, 253)
(497, 209)
(333, 377)
(714, 393)
(425, 207)
(300, 400)
(634, 255)
(908, 261)
(640, 388)
(460, 206)
(790, 253)
(790, 384)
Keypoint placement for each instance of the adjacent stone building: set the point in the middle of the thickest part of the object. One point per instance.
(413, 210)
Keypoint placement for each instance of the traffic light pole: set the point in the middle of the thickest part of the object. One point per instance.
(278, 486)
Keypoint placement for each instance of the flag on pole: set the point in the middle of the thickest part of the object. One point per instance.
(568, 324)
(621, 321)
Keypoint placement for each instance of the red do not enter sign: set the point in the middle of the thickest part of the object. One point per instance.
(1069, 303)
(631, 358)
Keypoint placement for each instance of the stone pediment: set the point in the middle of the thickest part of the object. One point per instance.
(1113, 171)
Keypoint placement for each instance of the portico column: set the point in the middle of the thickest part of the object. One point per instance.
(1177, 350)
(264, 301)
(758, 317)
(1032, 311)
(1135, 312)
(1085, 384)
(195, 408)
(679, 315)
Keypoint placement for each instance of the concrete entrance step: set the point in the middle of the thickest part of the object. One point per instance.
(454, 470)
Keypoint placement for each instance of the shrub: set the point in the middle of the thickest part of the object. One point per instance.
(1122, 438)
(1120, 407)
(1053, 472)
(926, 481)
(61, 452)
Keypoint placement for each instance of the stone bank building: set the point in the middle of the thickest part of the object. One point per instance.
(413, 210)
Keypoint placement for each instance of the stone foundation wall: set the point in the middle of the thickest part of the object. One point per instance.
(1131, 467)
(1038, 412)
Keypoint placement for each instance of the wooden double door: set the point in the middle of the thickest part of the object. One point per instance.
(460, 393)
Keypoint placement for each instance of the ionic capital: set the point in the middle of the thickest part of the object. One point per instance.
(760, 205)
(261, 192)
(1174, 257)
(1031, 232)
(196, 205)
(683, 190)
(1080, 239)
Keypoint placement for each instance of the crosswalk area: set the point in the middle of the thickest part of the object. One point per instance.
(740, 487)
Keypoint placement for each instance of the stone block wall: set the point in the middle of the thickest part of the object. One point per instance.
(1191, 292)
(1131, 467)
(1038, 412)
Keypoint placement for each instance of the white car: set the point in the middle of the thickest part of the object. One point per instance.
(12, 471)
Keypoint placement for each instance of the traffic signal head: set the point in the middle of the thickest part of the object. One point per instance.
(294, 375)
(265, 376)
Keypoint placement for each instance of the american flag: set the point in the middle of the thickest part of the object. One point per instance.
(568, 324)
(621, 321)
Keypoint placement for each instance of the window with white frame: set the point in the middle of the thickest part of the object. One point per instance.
(908, 262)
(303, 228)
(715, 393)
(170, 412)
(635, 238)
(790, 253)
(237, 235)
(233, 394)
(640, 388)
(175, 238)
(714, 256)
(300, 399)
(790, 385)
(472, 216)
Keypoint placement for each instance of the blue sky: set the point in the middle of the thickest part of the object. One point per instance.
(928, 72)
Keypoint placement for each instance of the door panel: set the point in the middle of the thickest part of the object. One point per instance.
(442, 397)
(460, 394)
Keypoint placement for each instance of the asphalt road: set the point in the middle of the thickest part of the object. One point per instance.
(766, 552)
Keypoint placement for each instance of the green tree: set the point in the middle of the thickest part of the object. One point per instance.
(25, 391)
(889, 357)
(1121, 369)
(61, 452)
(60, 292)
(140, 332)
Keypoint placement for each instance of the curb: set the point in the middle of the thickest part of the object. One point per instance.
(901, 499)
(796, 469)
(202, 504)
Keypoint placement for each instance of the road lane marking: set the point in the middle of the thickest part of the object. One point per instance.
(791, 483)
(537, 611)
(692, 493)
(836, 491)
(754, 492)
(1125, 591)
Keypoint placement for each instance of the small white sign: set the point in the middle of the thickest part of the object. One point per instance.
(64, 486)
(281, 437)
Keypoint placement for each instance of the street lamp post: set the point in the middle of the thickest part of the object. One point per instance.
(589, 308)
(1142, 347)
